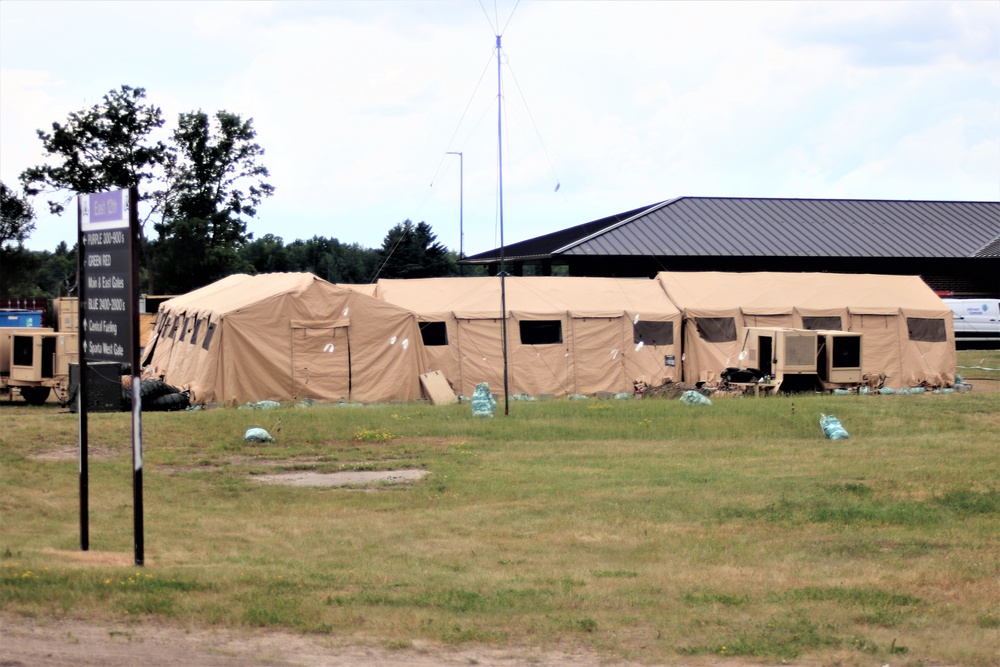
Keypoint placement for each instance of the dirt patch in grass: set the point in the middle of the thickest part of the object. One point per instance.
(73, 453)
(114, 644)
(97, 558)
(346, 478)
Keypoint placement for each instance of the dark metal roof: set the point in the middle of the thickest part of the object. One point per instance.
(542, 247)
(752, 227)
(991, 249)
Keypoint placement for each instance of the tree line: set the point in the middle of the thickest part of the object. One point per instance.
(198, 189)
(409, 251)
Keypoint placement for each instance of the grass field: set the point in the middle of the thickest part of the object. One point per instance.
(645, 530)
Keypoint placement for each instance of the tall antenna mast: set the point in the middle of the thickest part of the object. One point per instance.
(503, 268)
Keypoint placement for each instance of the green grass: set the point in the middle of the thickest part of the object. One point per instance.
(644, 530)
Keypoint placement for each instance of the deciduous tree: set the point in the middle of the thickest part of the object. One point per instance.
(17, 220)
(197, 189)
(17, 217)
(215, 181)
(106, 147)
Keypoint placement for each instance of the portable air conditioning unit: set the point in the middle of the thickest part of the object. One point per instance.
(781, 351)
(840, 357)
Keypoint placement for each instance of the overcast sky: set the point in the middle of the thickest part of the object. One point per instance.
(619, 104)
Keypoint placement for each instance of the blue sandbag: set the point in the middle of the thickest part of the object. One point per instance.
(483, 403)
(692, 397)
(257, 435)
(832, 428)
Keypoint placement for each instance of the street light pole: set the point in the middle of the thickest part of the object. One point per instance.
(461, 188)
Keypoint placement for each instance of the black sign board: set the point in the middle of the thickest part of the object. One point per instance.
(105, 309)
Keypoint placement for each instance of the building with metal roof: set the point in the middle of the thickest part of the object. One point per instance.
(953, 245)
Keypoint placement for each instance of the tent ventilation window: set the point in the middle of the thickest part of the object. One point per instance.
(434, 333)
(822, 323)
(208, 336)
(653, 333)
(926, 330)
(541, 332)
(716, 329)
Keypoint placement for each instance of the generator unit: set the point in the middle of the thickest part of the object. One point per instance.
(36, 362)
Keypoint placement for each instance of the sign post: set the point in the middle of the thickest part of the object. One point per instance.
(109, 321)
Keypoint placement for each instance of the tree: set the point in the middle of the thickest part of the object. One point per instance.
(106, 147)
(411, 251)
(17, 218)
(266, 254)
(332, 260)
(214, 179)
(196, 190)
(16, 224)
(57, 275)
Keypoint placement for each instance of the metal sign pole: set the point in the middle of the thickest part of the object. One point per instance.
(137, 527)
(81, 389)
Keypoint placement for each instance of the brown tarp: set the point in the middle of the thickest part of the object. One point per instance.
(286, 336)
(907, 329)
(565, 335)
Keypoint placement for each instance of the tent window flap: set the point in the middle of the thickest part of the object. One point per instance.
(653, 333)
(716, 329)
(822, 323)
(541, 332)
(926, 330)
(434, 333)
(208, 336)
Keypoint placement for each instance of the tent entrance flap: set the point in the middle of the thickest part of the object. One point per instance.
(599, 363)
(321, 362)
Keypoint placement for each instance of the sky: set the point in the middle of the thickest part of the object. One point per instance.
(603, 106)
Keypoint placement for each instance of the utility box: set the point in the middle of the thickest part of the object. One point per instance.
(66, 310)
(104, 386)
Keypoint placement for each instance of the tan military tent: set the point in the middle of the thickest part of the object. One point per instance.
(907, 329)
(286, 336)
(564, 335)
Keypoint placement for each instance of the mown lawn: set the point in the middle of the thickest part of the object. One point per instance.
(647, 530)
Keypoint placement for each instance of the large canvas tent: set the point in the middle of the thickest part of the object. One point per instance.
(286, 336)
(564, 335)
(907, 331)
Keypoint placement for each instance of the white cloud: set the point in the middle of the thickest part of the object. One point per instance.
(622, 103)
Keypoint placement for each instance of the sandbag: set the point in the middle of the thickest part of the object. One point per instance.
(832, 428)
(692, 397)
(257, 435)
(483, 403)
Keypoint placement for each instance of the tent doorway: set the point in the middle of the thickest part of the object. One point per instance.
(321, 362)
(599, 364)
